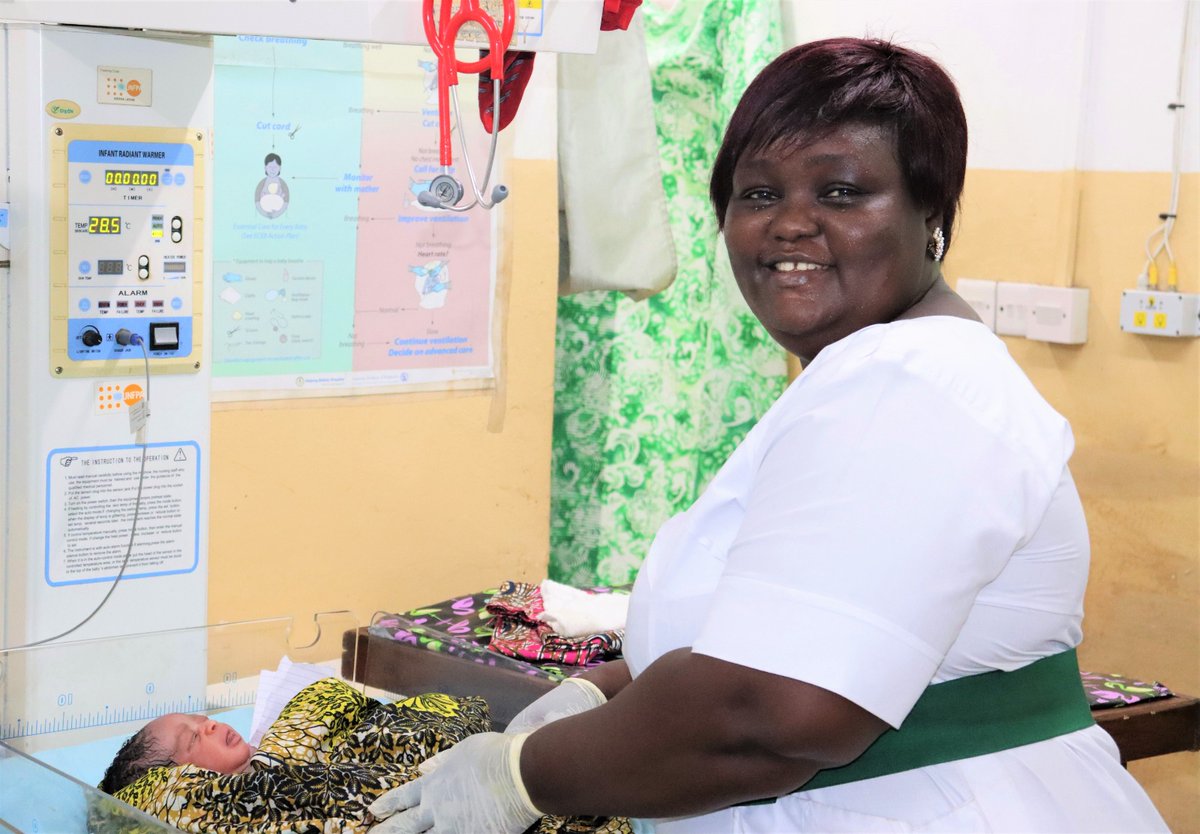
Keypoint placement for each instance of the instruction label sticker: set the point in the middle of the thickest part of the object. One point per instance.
(91, 495)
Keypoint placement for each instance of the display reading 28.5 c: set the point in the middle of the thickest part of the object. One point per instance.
(104, 225)
(131, 177)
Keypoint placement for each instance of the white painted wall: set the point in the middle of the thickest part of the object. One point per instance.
(1047, 84)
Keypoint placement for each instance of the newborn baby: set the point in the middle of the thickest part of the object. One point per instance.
(329, 754)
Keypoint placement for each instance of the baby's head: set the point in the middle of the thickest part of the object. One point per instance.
(178, 739)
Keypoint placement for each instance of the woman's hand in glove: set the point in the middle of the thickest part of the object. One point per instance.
(474, 787)
(571, 697)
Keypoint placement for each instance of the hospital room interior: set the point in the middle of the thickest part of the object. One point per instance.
(379, 341)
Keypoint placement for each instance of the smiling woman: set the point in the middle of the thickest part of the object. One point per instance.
(867, 621)
(824, 238)
(831, 193)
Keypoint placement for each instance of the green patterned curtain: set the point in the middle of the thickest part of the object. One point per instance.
(651, 397)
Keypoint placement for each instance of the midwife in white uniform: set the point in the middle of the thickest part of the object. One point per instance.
(898, 543)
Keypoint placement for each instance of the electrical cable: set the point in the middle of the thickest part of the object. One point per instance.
(137, 340)
(1149, 276)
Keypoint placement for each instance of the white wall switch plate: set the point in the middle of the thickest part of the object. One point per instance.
(981, 295)
(1012, 308)
(1058, 314)
(1155, 313)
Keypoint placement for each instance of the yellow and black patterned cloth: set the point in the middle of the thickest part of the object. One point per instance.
(330, 754)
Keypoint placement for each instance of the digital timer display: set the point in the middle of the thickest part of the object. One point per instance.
(131, 177)
(104, 226)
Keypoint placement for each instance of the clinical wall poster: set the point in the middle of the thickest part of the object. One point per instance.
(329, 277)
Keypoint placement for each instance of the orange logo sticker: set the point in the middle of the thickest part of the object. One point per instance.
(105, 398)
(132, 393)
(133, 87)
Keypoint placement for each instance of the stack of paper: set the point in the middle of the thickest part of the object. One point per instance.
(276, 688)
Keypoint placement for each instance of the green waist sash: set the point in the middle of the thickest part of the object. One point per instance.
(973, 716)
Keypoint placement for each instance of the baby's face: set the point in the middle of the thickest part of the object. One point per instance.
(198, 740)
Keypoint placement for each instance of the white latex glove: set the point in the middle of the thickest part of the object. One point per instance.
(571, 697)
(474, 787)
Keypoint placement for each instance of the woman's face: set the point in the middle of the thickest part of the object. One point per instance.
(198, 740)
(824, 238)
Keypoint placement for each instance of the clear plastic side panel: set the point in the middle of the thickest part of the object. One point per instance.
(66, 708)
(35, 797)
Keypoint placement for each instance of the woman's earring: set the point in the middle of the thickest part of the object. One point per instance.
(937, 246)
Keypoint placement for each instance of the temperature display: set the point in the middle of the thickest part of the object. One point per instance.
(131, 177)
(104, 225)
(110, 267)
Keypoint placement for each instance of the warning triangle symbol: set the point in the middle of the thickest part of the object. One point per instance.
(179, 455)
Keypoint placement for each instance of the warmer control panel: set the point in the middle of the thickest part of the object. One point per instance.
(131, 254)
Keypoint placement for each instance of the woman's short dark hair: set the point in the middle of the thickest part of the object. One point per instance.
(135, 758)
(815, 87)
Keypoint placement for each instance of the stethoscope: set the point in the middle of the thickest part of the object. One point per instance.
(445, 192)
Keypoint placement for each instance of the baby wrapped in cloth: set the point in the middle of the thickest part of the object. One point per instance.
(329, 755)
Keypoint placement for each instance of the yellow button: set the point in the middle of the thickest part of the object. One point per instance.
(1139, 318)
(1160, 321)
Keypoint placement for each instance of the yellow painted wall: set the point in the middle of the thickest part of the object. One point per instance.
(386, 502)
(1134, 404)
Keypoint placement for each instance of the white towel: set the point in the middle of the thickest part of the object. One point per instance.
(614, 229)
(575, 613)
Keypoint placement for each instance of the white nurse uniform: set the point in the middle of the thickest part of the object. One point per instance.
(902, 516)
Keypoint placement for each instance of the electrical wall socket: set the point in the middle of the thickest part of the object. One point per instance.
(1155, 313)
(981, 295)
(1012, 308)
(1057, 314)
